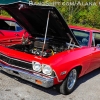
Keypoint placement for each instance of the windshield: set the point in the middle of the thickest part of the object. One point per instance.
(82, 37)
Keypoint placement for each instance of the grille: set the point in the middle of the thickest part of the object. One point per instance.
(16, 62)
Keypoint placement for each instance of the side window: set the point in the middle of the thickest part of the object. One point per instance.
(81, 36)
(18, 28)
(9, 25)
(96, 38)
(13, 26)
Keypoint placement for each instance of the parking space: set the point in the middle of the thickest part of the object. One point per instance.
(12, 88)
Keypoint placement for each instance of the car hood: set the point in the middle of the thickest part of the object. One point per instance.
(34, 20)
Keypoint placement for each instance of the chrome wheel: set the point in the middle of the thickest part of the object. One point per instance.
(67, 86)
(72, 77)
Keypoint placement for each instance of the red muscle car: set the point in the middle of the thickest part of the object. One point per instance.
(57, 55)
(10, 31)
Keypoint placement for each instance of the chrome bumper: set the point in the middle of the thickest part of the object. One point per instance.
(31, 77)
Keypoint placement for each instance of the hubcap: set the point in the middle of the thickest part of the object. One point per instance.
(72, 79)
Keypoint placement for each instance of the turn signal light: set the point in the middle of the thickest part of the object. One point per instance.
(38, 82)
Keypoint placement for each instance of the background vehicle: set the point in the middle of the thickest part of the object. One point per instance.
(10, 31)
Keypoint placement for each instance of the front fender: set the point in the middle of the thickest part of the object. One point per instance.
(62, 63)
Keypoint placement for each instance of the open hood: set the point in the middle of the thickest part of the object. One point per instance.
(34, 20)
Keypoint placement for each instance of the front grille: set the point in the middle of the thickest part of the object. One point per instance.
(16, 62)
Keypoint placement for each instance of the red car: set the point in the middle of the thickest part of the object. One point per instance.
(57, 55)
(10, 31)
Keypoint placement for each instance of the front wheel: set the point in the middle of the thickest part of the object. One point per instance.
(68, 84)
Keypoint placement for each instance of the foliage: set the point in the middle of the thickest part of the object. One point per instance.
(2, 12)
(77, 12)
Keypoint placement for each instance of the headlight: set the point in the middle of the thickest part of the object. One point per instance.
(36, 66)
(46, 69)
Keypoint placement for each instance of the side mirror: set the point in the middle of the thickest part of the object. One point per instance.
(98, 45)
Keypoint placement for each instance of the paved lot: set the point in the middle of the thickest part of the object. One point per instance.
(12, 88)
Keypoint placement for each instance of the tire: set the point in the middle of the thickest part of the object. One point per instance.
(67, 86)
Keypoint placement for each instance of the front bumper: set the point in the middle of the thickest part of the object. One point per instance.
(31, 77)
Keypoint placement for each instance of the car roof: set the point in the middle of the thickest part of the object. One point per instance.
(7, 18)
(84, 28)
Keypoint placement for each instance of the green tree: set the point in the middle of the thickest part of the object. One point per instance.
(93, 16)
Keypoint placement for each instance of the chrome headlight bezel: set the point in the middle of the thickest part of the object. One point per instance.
(46, 69)
(36, 66)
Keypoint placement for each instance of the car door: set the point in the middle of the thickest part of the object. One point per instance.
(95, 59)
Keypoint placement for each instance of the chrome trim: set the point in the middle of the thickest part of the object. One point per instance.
(19, 66)
(16, 66)
(16, 60)
(31, 77)
(22, 68)
(57, 77)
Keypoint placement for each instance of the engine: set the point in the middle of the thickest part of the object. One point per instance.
(36, 46)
